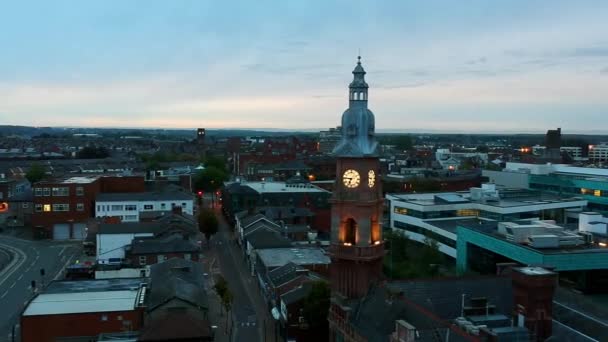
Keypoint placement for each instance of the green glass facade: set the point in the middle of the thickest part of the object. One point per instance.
(594, 191)
(573, 260)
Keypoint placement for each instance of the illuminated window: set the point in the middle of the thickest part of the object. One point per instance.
(46, 208)
(400, 210)
(586, 191)
(597, 193)
(467, 212)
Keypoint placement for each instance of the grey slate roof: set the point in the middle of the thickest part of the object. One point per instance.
(261, 239)
(284, 274)
(170, 244)
(177, 279)
(261, 225)
(145, 196)
(278, 213)
(246, 221)
(426, 304)
(130, 227)
(297, 294)
(447, 293)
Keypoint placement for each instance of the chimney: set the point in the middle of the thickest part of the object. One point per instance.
(533, 289)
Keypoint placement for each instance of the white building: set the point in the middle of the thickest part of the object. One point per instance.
(573, 151)
(112, 239)
(129, 206)
(451, 160)
(598, 153)
(437, 215)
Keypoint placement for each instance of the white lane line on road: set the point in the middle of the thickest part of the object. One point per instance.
(20, 277)
(62, 250)
(4, 294)
(12, 285)
(18, 260)
(581, 313)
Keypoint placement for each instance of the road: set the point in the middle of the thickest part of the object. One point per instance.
(250, 314)
(28, 257)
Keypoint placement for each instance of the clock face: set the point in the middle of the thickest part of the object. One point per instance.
(351, 178)
(371, 178)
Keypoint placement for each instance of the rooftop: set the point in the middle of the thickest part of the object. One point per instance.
(107, 295)
(507, 198)
(145, 196)
(130, 228)
(493, 229)
(277, 257)
(272, 187)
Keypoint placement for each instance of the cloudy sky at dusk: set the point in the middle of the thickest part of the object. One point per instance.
(432, 65)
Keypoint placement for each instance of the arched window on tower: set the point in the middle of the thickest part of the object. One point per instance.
(350, 232)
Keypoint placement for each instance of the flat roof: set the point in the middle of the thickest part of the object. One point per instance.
(72, 180)
(80, 302)
(270, 187)
(451, 224)
(145, 196)
(510, 198)
(490, 228)
(277, 257)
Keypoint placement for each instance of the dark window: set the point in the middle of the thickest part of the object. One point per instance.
(350, 231)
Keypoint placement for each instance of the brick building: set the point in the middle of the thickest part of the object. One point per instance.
(63, 207)
(84, 309)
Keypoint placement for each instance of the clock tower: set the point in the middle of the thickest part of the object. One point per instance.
(357, 247)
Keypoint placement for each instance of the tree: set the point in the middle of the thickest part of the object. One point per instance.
(207, 223)
(316, 309)
(221, 288)
(36, 173)
(216, 162)
(210, 179)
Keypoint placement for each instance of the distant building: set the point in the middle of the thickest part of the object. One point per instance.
(575, 152)
(437, 215)
(328, 139)
(590, 184)
(598, 153)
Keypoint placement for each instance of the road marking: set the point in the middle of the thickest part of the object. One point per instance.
(581, 313)
(4, 294)
(20, 277)
(575, 331)
(19, 259)
(12, 285)
(62, 250)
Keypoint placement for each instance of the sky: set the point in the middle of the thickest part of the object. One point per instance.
(466, 66)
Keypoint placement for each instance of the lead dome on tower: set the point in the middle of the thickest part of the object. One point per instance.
(358, 122)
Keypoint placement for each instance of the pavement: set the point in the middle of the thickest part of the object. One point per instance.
(27, 259)
(251, 319)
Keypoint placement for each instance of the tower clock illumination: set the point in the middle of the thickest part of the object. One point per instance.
(351, 178)
(371, 178)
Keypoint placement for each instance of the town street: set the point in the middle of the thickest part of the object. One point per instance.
(27, 259)
(252, 321)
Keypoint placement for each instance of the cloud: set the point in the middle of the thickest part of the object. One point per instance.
(604, 70)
